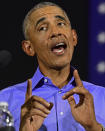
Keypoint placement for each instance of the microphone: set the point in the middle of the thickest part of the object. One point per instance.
(5, 58)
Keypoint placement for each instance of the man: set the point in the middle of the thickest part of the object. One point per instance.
(56, 99)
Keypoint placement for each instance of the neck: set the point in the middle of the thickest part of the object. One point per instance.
(59, 77)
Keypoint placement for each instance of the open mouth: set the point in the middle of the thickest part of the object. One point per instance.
(59, 48)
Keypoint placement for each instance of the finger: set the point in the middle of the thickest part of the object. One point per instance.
(72, 102)
(38, 112)
(76, 90)
(77, 78)
(35, 105)
(41, 100)
(33, 102)
(29, 90)
(51, 105)
(34, 112)
(81, 100)
(39, 106)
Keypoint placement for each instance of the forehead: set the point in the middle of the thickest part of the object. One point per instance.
(45, 12)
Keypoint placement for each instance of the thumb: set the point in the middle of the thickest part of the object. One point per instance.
(71, 101)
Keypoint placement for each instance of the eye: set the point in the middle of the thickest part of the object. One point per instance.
(42, 28)
(61, 24)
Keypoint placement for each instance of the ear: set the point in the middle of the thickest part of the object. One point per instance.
(74, 37)
(28, 48)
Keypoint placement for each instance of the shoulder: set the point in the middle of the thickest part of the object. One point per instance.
(93, 88)
(98, 93)
(11, 91)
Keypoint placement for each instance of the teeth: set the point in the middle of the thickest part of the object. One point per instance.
(59, 51)
(60, 44)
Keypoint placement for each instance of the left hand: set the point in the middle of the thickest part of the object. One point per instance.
(83, 112)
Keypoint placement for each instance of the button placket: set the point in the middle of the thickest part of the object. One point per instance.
(61, 113)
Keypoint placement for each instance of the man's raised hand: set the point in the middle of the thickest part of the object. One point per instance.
(83, 112)
(33, 111)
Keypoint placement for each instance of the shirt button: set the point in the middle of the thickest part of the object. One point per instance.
(61, 113)
(45, 80)
(60, 92)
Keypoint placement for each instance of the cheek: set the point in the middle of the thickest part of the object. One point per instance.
(39, 42)
(40, 47)
(67, 32)
(42, 36)
(37, 37)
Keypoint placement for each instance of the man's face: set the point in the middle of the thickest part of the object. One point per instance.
(51, 36)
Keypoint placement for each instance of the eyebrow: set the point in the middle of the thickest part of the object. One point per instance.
(40, 20)
(60, 17)
(43, 18)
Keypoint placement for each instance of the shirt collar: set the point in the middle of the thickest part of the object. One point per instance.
(38, 76)
(72, 80)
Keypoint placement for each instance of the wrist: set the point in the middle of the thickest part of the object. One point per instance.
(95, 127)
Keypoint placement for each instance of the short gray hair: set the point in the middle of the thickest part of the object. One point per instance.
(26, 21)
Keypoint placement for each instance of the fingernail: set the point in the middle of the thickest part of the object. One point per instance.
(46, 115)
(48, 111)
(74, 90)
(51, 105)
(48, 104)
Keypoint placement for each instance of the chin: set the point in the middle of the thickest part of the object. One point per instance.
(59, 66)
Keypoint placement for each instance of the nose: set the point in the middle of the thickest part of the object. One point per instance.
(55, 32)
(55, 35)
